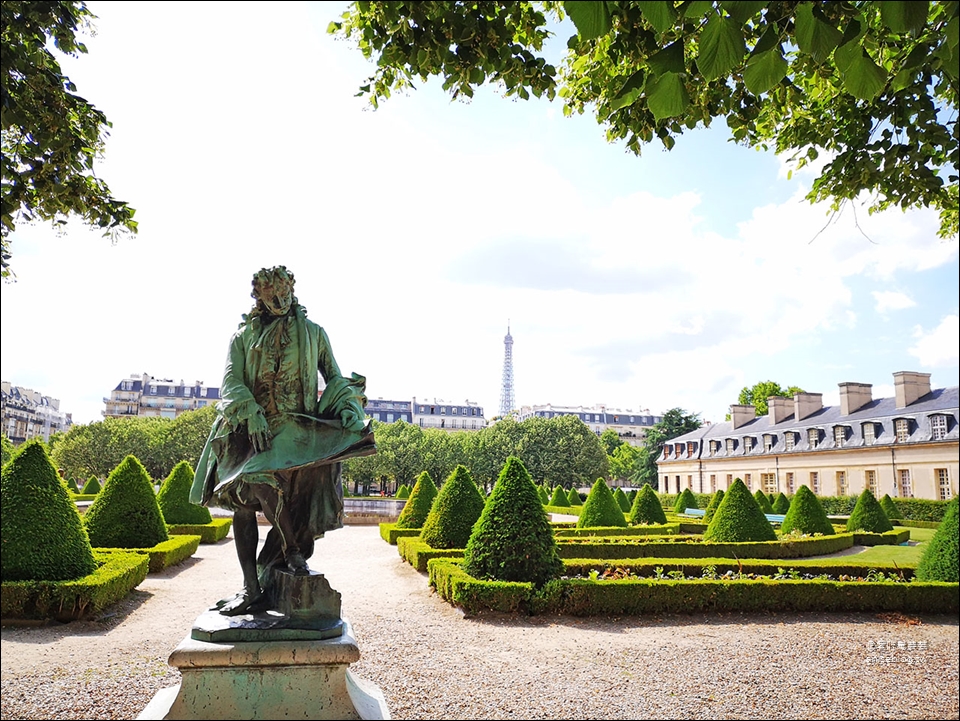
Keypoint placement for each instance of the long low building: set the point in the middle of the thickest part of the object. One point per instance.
(907, 446)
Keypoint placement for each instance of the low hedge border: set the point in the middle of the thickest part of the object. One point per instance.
(668, 529)
(844, 566)
(564, 510)
(583, 597)
(418, 553)
(164, 554)
(390, 532)
(615, 547)
(887, 538)
(211, 532)
(916, 524)
(118, 573)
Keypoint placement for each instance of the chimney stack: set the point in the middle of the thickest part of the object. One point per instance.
(779, 409)
(806, 404)
(742, 414)
(910, 387)
(854, 396)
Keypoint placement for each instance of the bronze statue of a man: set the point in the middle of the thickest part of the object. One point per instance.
(279, 437)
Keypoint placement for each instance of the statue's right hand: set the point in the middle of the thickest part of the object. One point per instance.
(259, 433)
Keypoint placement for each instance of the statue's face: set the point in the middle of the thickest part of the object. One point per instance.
(276, 297)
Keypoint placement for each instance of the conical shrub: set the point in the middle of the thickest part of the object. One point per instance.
(574, 497)
(91, 487)
(601, 508)
(890, 508)
(403, 492)
(646, 508)
(806, 515)
(513, 540)
(761, 498)
(712, 506)
(559, 498)
(738, 518)
(455, 510)
(621, 498)
(174, 498)
(43, 538)
(125, 514)
(418, 505)
(684, 501)
(940, 560)
(781, 504)
(868, 515)
(542, 495)
(72, 485)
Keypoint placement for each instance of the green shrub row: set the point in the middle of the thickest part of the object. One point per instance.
(628, 548)
(117, 573)
(212, 532)
(667, 529)
(417, 553)
(166, 553)
(700, 567)
(390, 532)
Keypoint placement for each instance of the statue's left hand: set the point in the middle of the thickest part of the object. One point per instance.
(259, 432)
(350, 420)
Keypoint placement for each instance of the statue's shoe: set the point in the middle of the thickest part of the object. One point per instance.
(297, 563)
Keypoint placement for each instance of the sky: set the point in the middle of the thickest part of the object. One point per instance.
(420, 231)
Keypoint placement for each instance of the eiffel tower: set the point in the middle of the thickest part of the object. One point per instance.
(507, 401)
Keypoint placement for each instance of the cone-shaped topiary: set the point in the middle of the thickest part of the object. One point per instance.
(72, 485)
(868, 515)
(542, 494)
(806, 515)
(646, 508)
(738, 518)
(91, 487)
(174, 498)
(621, 498)
(403, 492)
(559, 498)
(512, 540)
(771, 498)
(418, 505)
(601, 508)
(43, 538)
(890, 508)
(761, 498)
(574, 497)
(781, 504)
(712, 506)
(125, 514)
(457, 507)
(940, 560)
(684, 501)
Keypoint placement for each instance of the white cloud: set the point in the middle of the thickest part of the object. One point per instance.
(939, 347)
(888, 300)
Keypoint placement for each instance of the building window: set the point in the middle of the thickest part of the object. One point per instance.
(731, 445)
(690, 482)
(906, 488)
(153, 390)
(729, 480)
(871, 478)
(767, 443)
(815, 482)
(813, 437)
(768, 482)
(389, 417)
(788, 440)
(454, 411)
(869, 433)
(943, 481)
(938, 424)
(666, 450)
(791, 484)
(839, 435)
(666, 484)
(747, 444)
(841, 483)
(748, 480)
(713, 483)
(902, 427)
(691, 449)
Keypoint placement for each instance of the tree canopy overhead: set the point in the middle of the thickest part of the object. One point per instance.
(50, 135)
(757, 395)
(871, 85)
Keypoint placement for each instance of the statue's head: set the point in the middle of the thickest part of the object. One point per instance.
(273, 290)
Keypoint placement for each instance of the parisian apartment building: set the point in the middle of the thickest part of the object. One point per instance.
(145, 395)
(26, 413)
(907, 446)
(630, 426)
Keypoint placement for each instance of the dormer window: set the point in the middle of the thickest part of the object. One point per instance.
(731, 445)
(813, 437)
(839, 436)
(938, 426)
(747, 444)
(691, 449)
(901, 427)
(789, 439)
(869, 433)
(768, 441)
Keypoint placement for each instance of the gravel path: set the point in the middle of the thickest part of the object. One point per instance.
(431, 662)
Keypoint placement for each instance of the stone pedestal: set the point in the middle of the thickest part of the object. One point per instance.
(282, 679)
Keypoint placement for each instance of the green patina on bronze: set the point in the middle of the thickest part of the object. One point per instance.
(278, 439)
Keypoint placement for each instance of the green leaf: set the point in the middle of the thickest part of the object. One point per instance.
(659, 14)
(668, 60)
(592, 19)
(765, 70)
(815, 37)
(721, 47)
(631, 90)
(666, 96)
(862, 77)
(768, 40)
(742, 11)
(902, 17)
(697, 9)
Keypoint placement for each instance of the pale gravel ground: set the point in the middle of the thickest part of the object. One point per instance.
(432, 663)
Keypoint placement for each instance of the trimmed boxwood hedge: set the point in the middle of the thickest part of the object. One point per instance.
(418, 505)
(125, 513)
(739, 518)
(941, 560)
(601, 508)
(806, 515)
(646, 508)
(868, 515)
(174, 498)
(761, 498)
(685, 500)
(454, 512)
(559, 498)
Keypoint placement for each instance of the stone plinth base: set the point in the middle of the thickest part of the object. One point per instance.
(299, 679)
